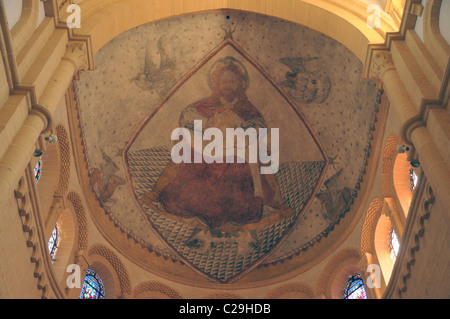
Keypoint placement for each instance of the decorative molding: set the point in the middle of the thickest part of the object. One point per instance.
(419, 213)
(65, 154)
(81, 219)
(389, 156)
(369, 226)
(44, 114)
(28, 209)
(154, 286)
(77, 54)
(333, 267)
(116, 263)
(381, 62)
(296, 287)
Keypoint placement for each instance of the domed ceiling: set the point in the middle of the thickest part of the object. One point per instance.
(226, 69)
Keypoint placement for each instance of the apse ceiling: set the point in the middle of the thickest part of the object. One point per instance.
(222, 220)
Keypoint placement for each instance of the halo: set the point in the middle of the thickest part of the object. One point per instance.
(227, 62)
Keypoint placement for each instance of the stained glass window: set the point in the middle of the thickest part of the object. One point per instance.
(92, 286)
(412, 179)
(394, 244)
(37, 170)
(354, 288)
(53, 241)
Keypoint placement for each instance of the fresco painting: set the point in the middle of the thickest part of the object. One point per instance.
(228, 213)
(247, 71)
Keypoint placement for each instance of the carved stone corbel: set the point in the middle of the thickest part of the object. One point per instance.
(77, 54)
(380, 63)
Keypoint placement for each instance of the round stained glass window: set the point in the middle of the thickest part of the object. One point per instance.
(92, 286)
(354, 288)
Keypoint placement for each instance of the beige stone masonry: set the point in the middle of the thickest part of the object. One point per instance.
(22, 30)
(341, 20)
(406, 109)
(33, 47)
(12, 115)
(23, 145)
(46, 63)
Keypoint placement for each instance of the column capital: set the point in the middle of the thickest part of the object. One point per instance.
(380, 63)
(77, 54)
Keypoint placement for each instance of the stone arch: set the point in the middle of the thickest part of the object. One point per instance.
(50, 174)
(114, 272)
(65, 251)
(395, 187)
(369, 226)
(346, 24)
(107, 274)
(23, 29)
(331, 275)
(433, 39)
(297, 290)
(341, 278)
(389, 155)
(400, 175)
(381, 241)
(155, 290)
(65, 158)
(81, 221)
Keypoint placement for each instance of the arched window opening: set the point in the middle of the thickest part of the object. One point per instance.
(402, 181)
(92, 286)
(53, 242)
(413, 179)
(354, 288)
(37, 170)
(394, 244)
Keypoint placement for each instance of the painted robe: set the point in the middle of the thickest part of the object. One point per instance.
(217, 193)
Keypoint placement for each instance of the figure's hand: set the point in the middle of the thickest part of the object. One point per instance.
(150, 197)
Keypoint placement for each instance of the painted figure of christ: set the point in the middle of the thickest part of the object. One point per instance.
(220, 192)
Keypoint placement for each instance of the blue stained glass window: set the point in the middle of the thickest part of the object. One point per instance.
(53, 241)
(37, 170)
(354, 288)
(394, 244)
(92, 286)
(412, 179)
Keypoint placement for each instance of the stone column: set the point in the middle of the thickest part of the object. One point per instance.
(430, 158)
(39, 119)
